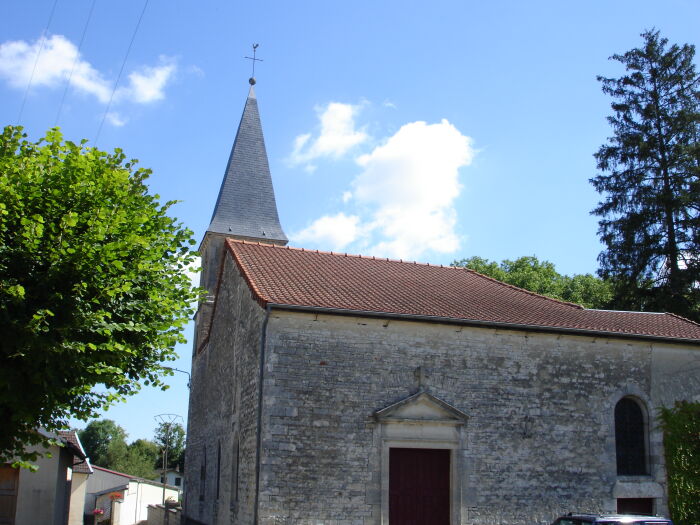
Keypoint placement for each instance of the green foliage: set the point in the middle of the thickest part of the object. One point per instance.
(103, 441)
(93, 289)
(681, 426)
(542, 277)
(171, 435)
(139, 459)
(105, 444)
(650, 177)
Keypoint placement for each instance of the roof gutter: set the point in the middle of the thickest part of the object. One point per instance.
(478, 323)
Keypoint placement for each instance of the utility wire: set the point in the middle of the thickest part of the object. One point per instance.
(75, 62)
(121, 70)
(36, 61)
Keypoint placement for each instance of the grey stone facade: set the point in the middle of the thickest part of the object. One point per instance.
(537, 437)
(222, 421)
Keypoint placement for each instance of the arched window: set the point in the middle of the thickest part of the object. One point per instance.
(630, 438)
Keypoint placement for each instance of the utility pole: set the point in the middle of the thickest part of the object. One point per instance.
(166, 421)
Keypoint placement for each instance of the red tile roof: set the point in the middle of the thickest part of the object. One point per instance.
(82, 462)
(302, 278)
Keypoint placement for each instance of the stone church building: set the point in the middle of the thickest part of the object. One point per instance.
(341, 389)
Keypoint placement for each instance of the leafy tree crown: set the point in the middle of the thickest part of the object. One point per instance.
(93, 286)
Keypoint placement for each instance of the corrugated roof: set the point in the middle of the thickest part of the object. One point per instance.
(326, 280)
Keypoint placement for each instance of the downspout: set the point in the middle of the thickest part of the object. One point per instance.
(258, 447)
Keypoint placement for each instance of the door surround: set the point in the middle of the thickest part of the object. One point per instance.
(422, 421)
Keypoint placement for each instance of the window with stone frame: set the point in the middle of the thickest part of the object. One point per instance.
(630, 438)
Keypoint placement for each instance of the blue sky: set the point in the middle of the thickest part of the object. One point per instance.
(423, 131)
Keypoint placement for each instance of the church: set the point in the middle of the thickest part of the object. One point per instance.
(338, 389)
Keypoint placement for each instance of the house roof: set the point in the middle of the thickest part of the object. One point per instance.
(298, 278)
(129, 477)
(122, 474)
(70, 437)
(246, 204)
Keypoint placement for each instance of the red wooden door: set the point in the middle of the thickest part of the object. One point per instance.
(419, 486)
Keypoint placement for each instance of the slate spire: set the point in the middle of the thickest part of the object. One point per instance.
(246, 207)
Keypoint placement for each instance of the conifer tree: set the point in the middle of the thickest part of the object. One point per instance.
(649, 172)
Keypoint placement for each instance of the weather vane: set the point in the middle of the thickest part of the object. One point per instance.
(252, 78)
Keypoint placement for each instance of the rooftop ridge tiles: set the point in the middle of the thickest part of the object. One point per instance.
(682, 318)
(339, 254)
(529, 292)
(627, 311)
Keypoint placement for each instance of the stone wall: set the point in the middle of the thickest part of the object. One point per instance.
(157, 516)
(223, 409)
(538, 440)
(540, 436)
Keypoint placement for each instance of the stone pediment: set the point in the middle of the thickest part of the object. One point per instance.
(421, 407)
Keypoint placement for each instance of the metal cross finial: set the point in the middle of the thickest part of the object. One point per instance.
(254, 59)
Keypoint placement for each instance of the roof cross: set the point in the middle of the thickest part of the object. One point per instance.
(254, 59)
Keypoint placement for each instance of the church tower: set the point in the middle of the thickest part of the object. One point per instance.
(245, 208)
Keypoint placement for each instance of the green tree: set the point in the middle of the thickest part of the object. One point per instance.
(542, 277)
(139, 459)
(93, 291)
(681, 425)
(172, 436)
(649, 175)
(105, 444)
(104, 441)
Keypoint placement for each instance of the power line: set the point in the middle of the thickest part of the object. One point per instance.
(121, 70)
(36, 61)
(75, 62)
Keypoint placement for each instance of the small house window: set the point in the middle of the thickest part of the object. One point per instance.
(630, 438)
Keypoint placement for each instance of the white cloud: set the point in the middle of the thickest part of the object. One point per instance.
(336, 137)
(60, 60)
(148, 85)
(411, 183)
(334, 232)
(404, 197)
(58, 54)
(115, 119)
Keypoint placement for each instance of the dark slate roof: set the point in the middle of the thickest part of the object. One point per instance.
(246, 204)
(293, 277)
